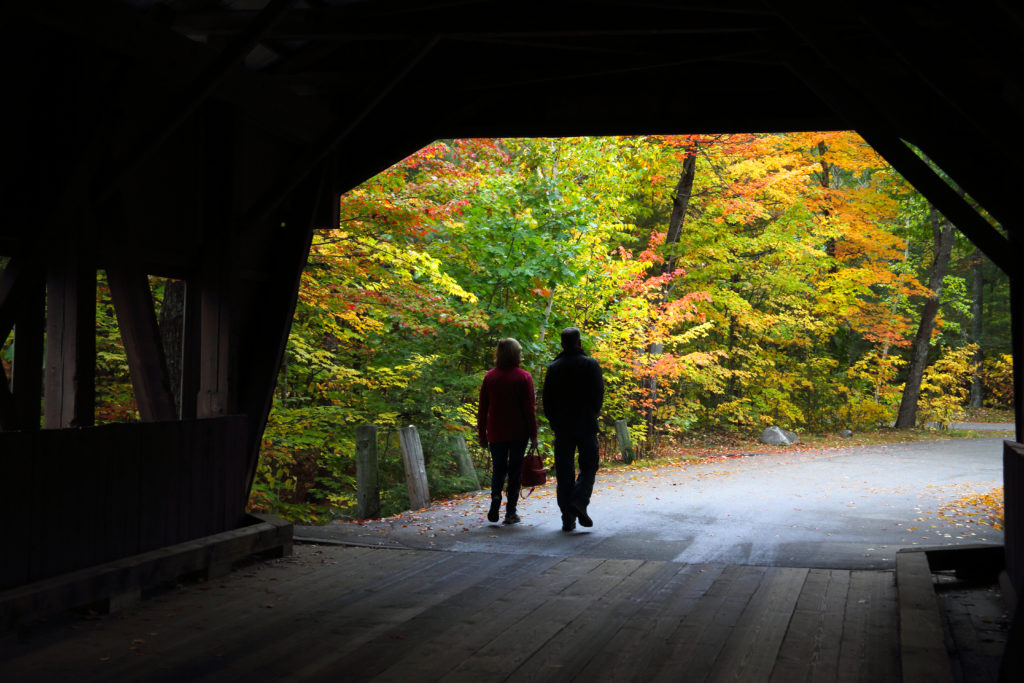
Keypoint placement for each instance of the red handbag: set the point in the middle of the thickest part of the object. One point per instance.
(533, 473)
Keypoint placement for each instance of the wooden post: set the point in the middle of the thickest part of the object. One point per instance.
(625, 444)
(1017, 348)
(70, 345)
(1013, 512)
(27, 373)
(218, 338)
(1013, 453)
(191, 344)
(171, 328)
(367, 487)
(8, 302)
(415, 470)
(216, 381)
(465, 462)
(8, 409)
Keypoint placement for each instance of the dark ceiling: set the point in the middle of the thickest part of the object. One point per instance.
(368, 82)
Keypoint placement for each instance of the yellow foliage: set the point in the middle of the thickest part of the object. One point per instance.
(944, 386)
(997, 377)
(978, 508)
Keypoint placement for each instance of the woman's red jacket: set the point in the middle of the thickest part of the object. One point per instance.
(507, 409)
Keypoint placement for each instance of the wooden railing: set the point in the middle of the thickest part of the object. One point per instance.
(74, 498)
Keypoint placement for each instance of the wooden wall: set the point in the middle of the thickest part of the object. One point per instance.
(1013, 497)
(73, 498)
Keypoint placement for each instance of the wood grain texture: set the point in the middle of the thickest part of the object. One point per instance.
(400, 615)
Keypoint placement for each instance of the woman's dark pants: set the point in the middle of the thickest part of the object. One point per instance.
(507, 459)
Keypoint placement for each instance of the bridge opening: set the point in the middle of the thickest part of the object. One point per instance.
(727, 283)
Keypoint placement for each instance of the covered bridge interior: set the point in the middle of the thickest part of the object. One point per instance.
(206, 140)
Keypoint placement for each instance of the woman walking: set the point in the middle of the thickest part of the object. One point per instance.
(505, 421)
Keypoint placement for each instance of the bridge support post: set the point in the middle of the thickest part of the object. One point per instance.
(367, 486)
(465, 461)
(415, 469)
(70, 344)
(625, 443)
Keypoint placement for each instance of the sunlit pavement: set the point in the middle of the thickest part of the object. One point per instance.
(838, 508)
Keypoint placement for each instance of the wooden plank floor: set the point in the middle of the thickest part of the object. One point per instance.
(335, 613)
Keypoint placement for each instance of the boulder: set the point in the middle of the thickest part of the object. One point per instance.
(846, 434)
(775, 436)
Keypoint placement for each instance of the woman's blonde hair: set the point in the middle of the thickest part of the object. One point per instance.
(508, 354)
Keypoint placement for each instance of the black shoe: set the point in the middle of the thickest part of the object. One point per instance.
(511, 518)
(492, 514)
(581, 513)
(568, 522)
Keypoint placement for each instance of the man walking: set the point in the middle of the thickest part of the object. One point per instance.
(573, 393)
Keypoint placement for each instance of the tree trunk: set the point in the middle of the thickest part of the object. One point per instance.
(977, 301)
(826, 181)
(554, 197)
(680, 204)
(942, 235)
(547, 318)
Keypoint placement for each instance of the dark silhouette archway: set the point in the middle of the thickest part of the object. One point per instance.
(206, 142)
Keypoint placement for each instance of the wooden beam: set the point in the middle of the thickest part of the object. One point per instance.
(70, 345)
(269, 323)
(136, 318)
(943, 197)
(393, 21)
(922, 652)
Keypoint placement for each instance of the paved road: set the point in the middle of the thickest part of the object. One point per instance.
(839, 508)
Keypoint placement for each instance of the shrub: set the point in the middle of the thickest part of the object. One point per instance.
(943, 387)
(997, 378)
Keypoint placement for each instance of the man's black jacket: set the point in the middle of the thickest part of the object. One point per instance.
(573, 392)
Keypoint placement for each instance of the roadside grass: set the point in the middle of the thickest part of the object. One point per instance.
(696, 447)
(987, 415)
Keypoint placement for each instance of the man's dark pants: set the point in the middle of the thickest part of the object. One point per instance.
(572, 489)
